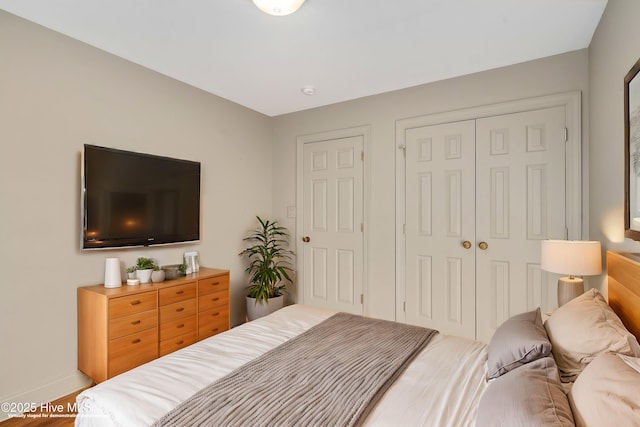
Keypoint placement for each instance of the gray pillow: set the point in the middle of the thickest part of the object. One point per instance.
(519, 340)
(530, 395)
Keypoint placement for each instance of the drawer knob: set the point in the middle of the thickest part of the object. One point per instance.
(136, 341)
(180, 342)
(135, 322)
(180, 309)
(179, 292)
(215, 283)
(180, 326)
(136, 302)
(215, 314)
(214, 330)
(215, 299)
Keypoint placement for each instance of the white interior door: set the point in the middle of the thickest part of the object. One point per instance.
(332, 225)
(520, 201)
(440, 217)
(480, 196)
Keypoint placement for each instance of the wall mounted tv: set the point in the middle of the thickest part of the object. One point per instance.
(134, 199)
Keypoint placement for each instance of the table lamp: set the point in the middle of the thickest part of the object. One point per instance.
(572, 257)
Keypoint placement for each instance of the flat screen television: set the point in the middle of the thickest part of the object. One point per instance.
(135, 199)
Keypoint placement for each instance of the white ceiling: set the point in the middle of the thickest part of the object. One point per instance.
(346, 49)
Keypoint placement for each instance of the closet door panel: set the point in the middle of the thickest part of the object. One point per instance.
(440, 216)
(520, 200)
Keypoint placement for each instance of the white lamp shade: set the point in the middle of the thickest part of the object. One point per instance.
(278, 7)
(572, 257)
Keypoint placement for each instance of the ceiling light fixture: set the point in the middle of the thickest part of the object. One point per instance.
(278, 7)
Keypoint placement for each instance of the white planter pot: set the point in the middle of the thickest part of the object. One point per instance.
(144, 275)
(262, 308)
(157, 276)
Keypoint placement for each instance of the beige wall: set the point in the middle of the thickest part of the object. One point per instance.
(55, 95)
(614, 49)
(563, 73)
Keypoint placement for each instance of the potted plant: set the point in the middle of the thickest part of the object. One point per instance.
(144, 268)
(182, 269)
(268, 267)
(131, 272)
(157, 275)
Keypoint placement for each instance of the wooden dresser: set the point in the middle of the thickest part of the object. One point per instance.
(121, 328)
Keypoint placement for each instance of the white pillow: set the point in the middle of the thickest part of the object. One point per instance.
(607, 393)
(582, 329)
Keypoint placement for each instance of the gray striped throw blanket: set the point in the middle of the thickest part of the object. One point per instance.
(331, 375)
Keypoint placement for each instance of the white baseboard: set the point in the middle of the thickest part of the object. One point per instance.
(45, 394)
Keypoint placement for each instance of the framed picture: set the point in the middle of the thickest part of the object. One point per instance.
(632, 152)
(192, 261)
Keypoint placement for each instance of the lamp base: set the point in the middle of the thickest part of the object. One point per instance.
(569, 288)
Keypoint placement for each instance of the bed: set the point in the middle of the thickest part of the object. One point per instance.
(517, 379)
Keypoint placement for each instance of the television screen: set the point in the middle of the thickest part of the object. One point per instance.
(134, 199)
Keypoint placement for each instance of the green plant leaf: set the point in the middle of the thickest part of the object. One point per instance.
(269, 260)
(143, 263)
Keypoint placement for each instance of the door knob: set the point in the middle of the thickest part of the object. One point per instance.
(483, 246)
(306, 239)
(466, 244)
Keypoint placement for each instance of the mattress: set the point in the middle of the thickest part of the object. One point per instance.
(442, 386)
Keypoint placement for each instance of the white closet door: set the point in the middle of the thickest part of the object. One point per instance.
(520, 200)
(333, 180)
(440, 216)
(497, 183)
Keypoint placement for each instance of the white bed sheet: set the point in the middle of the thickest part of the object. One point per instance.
(442, 387)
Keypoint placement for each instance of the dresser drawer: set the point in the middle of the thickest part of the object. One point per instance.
(213, 284)
(213, 322)
(123, 306)
(209, 330)
(128, 352)
(172, 344)
(177, 310)
(214, 299)
(177, 293)
(126, 325)
(177, 327)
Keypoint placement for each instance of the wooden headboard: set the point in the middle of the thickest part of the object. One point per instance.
(623, 271)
